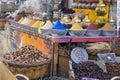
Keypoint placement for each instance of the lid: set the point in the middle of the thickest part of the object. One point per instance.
(76, 19)
(111, 19)
(101, 3)
(59, 25)
(79, 54)
(66, 19)
(86, 19)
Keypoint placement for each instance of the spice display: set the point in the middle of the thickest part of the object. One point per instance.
(92, 27)
(76, 26)
(25, 21)
(90, 70)
(107, 26)
(47, 25)
(38, 24)
(27, 55)
(113, 69)
(101, 9)
(76, 19)
(59, 25)
(21, 20)
(30, 22)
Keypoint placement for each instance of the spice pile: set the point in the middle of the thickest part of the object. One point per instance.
(27, 55)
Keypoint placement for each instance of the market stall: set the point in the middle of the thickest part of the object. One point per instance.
(83, 32)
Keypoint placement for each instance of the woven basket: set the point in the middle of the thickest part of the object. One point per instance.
(32, 72)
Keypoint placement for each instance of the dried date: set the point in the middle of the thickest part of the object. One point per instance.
(90, 70)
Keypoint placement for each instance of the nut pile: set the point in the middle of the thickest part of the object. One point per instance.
(90, 70)
(28, 55)
(113, 69)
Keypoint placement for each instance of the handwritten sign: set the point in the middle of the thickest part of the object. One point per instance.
(107, 57)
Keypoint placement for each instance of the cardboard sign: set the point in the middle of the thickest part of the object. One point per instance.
(107, 57)
(79, 54)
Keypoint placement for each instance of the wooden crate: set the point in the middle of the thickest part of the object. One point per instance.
(63, 65)
(2, 23)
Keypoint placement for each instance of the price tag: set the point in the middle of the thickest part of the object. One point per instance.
(89, 79)
(107, 57)
(79, 54)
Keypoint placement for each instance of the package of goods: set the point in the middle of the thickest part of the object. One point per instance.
(29, 61)
(99, 47)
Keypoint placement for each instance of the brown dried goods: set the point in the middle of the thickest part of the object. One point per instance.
(28, 55)
(113, 68)
(90, 70)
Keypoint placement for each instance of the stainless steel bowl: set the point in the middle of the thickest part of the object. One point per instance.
(58, 33)
(108, 33)
(77, 33)
(93, 33)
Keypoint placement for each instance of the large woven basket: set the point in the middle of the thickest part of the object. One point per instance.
(32, 72)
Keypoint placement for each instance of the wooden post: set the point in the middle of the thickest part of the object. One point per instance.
(55, 59)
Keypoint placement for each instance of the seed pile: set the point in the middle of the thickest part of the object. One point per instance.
(27, 55)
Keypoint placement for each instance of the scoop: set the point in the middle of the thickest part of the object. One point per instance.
(58, 25)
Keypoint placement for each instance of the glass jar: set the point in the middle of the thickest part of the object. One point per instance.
(112, 23)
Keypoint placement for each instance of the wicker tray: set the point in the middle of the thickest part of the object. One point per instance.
(32, 71)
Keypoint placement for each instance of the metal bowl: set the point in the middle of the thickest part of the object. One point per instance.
(93, 33)
(108, 33)
(21, 75)
(77, 33)
(45, 31)
(58, 33)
